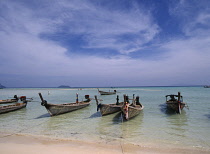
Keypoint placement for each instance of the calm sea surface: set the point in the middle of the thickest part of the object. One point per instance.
(153, 127)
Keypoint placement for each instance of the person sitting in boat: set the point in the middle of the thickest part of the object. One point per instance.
(172, 98)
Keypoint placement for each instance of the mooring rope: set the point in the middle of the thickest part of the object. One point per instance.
(122, 132)
(23, 130)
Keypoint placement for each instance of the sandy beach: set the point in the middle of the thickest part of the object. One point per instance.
(21, 144)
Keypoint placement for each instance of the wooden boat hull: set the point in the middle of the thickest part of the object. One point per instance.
(175, 102)
(131, 111)
(107, 93)
(8, 101)
(176, 106)
(106, 109)
(9, 108)
(14, 100)
(56, 109)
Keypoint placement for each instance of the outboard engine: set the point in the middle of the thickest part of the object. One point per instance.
(87, 97)
(22, 98)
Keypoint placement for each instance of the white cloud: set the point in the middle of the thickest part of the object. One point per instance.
(193, 17)
(104, 28)
(24, 52)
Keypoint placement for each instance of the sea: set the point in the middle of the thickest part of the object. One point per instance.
(155, 126)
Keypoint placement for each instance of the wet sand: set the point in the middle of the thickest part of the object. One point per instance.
(22, 144)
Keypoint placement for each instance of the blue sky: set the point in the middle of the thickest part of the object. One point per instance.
(96, 43)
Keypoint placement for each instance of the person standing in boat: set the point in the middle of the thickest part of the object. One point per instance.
(77, 100)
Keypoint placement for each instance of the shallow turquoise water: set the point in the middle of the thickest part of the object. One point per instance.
(153, 127)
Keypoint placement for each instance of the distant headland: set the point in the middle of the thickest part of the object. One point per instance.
(1, 86)
(64, 86)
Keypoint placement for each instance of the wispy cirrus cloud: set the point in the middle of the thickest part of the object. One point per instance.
(193, 17)
(119, 30)
(123, 31)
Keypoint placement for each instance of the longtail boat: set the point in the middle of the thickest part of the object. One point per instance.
(56, 109)
(13, 107)
(131, 110)
(106, 109)
(9, 100)
(175, 102)
(206, 86)
(107, 93)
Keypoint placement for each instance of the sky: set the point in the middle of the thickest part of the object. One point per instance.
(103, 43)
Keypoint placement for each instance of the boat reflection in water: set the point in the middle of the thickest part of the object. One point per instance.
(113, 129)
(176, 127)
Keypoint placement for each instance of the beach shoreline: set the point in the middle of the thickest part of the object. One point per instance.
(22, 144)
(33, 130)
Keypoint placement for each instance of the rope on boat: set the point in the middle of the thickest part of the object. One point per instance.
(186, 105)
(121, 147)
(121, 139)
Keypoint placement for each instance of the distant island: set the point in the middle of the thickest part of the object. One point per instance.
(1, 86)
(64, 86)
